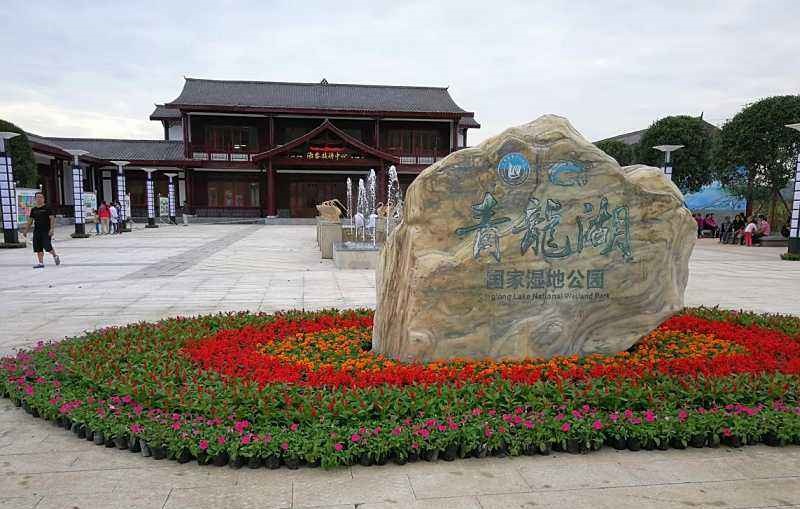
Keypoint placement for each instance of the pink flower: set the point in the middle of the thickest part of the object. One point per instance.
(285, 446)
(267, 438)
(176, 426)
(565, 427)
(442, 427)
(476, 411)
(424, 433)
(338, 447)
(683, 415)
(355, 438)
(528, 424)
(397, 431)
(294, 426)
(240, 426)
(126, 399)
(220, 440)
(136, 428)
(597, 425)
(614, 416)
(487, 432)
(245, 439)
(649, 416)
(203, 445)
(726, 432)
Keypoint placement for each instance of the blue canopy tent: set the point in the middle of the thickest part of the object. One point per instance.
(714, 198)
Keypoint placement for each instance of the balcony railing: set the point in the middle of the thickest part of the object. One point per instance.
(419, 156)
(217, 154)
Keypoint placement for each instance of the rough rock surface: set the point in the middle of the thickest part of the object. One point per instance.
(533, 244)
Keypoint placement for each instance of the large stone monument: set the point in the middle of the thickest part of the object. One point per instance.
(533, 244)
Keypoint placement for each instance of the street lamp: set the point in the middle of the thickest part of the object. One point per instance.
(668, 149)
(171, 197)
(77, 193)
(122, 190)
(794, 220)
(151, 197)
(8, 195)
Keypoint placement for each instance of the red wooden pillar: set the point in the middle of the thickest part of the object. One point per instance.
(272, 209)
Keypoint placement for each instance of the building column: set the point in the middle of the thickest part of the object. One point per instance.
(8, 194)
(171, 197)
(77, 193)
(122, 196)
(272, 207)
(150, 195)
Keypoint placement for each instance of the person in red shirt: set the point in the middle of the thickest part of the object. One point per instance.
(105, 215)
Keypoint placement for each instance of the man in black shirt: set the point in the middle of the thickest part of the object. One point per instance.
(43, 219)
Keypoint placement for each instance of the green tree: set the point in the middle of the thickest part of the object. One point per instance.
(624, 154)
(25, 173)
(692, 165)
(756, 153)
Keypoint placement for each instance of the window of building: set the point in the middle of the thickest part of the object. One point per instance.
(414, 141)
(233, 193)
(231, 138)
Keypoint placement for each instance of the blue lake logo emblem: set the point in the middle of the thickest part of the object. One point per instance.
(568, 173)
(513, 169)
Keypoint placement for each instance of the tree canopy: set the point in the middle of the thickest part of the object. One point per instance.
(25, 173)
(693, 164)
(624, 154)
(756, 153)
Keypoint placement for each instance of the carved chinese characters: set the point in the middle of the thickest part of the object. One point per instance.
(534, 243)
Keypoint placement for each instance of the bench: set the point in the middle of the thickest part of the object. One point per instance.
(773, 241)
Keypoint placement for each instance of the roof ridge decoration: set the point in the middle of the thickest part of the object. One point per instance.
(326, 125)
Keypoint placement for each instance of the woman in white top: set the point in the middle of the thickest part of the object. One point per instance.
(114, 218)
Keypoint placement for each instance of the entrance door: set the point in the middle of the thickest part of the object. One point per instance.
(304, 196)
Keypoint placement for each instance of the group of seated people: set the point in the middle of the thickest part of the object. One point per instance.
(742, 230)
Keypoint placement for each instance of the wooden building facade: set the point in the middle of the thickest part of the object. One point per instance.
(249, 149)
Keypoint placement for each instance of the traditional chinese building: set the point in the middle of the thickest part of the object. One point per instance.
(250, 149)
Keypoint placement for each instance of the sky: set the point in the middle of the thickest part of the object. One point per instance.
(95, 69)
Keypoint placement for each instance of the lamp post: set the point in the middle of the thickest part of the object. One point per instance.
(171, 196)
(668, 149)
(77, 193)
(122, 189)
(794, 220)
(8, 194)
(150, 193)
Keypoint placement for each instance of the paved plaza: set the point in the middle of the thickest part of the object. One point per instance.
(169, 271)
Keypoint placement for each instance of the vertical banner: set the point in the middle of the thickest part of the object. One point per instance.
(8, 194)
(77, 194)
(151, 211)
(794, 223)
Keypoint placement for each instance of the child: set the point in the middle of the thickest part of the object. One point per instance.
(748, 232)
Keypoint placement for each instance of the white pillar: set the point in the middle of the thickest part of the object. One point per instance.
(8, 193)
(77, 193)
(151, 197)
(171, 196)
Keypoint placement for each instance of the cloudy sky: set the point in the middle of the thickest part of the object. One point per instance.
(95, 69)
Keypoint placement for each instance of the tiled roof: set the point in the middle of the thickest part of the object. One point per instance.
(324, 95)
(131, 150)
(468, 122)
(163, 113)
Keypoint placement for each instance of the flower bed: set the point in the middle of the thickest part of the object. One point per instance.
(303, 388)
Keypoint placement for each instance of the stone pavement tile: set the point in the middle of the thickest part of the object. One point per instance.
(432, 503)
(37, 463)
(689, 470)
(60, 483)
(93, 457)
(19, 502)
(582, 499)
(386, 488)
(265, 496)
(127, 499)
(454, 481)
(544, 476)
(158, 474)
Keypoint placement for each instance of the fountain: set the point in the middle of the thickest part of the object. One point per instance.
(394, 201)
(361, 252)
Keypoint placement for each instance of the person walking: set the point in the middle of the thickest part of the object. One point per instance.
(104, 215)
(113, 215)
(185, 214)
(43, 219)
